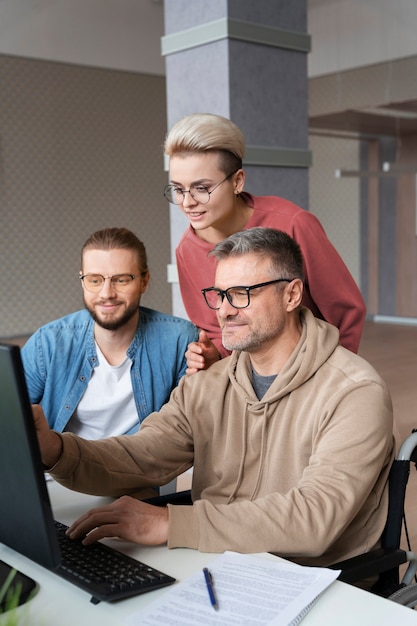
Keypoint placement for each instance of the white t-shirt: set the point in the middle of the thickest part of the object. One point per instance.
(107, 407)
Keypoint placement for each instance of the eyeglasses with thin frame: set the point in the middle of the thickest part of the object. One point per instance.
(119, 282)
(199, 193)
(238, 297)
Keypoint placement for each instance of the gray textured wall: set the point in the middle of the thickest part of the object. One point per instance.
(80, 150)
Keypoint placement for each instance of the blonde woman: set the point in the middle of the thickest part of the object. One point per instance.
(207, 180)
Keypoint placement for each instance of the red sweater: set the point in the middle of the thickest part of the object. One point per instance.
(329, 289)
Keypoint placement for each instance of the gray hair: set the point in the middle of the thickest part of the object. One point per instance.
(283, 251)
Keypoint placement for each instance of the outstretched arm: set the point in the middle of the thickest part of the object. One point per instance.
(50, 442)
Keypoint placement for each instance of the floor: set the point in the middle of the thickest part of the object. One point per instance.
(392, 350)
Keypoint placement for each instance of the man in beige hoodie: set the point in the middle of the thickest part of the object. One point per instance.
(290, 437)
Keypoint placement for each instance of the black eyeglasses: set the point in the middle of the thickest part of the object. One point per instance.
(199, 193)
(238, 297)
(119, 282)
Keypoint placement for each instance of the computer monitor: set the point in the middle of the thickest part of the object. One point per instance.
(26, 521)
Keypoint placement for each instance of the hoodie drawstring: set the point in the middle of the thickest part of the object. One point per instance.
(261, 456)
(242, 457)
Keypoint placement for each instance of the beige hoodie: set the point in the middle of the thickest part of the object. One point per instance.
(302, 472)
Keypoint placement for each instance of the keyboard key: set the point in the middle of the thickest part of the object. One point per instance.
(105, 573)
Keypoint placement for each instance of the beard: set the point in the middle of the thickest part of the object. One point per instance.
(114, 324)
(254, 338)
(248, 344)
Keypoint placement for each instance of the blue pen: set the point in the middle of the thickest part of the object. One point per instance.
(209, 584)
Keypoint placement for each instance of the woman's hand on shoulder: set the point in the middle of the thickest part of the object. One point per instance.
(201, 354)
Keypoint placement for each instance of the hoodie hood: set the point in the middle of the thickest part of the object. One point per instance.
(317, 342)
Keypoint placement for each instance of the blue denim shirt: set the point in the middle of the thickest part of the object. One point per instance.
(60, 357)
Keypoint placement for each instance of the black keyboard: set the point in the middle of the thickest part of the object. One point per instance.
(105, 573)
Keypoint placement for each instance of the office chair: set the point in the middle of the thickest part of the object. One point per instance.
(386, 560)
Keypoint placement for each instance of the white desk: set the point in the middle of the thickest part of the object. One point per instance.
(59, 603)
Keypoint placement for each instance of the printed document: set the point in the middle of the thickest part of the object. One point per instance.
(250, 590)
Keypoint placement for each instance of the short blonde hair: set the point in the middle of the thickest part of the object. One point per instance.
(203, 132)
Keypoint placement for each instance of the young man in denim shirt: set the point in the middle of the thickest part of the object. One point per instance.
(100, 371)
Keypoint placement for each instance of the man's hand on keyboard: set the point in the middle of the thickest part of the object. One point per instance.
(126, 518)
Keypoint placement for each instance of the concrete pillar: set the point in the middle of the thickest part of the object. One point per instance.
(246, 60)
